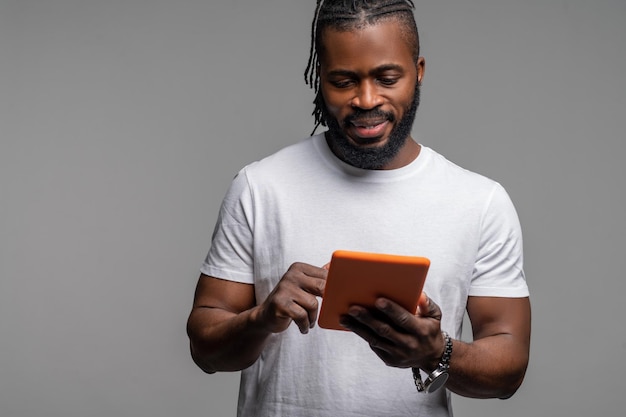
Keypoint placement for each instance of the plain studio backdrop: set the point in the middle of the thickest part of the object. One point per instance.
(123, 122)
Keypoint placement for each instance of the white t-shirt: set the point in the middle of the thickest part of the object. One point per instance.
(303, 203)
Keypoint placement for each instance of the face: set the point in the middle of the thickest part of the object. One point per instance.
(370, 86)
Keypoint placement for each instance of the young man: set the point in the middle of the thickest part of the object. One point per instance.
(365, 185)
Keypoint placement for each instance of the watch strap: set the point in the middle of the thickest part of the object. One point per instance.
(437, 378)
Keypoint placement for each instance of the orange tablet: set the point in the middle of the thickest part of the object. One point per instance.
(361, 277)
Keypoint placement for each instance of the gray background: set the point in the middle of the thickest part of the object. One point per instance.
(123, 121)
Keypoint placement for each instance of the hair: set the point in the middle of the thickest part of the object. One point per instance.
(346, 15)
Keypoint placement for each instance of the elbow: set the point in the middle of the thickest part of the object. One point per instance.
(508, 393)
(200, 362)
(200, 354)
(513, 383)
(211, 363)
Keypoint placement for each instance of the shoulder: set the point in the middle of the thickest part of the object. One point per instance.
(282, 170)
(449, 176)
(294, 155)
(439, 164)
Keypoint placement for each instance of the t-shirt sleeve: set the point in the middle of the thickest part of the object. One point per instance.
(231, 254)
(498, 270)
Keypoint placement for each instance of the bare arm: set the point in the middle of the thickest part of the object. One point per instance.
(221, 322)
(228, 330)
(492, 366)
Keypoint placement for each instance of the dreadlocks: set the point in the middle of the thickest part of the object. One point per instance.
(347, 15)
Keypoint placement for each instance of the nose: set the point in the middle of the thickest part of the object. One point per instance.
(367, 96)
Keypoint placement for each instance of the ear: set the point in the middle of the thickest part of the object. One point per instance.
(420, 65)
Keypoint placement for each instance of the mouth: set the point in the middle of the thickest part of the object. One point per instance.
(368, 130)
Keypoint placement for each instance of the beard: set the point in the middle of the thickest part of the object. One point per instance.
(371, 157)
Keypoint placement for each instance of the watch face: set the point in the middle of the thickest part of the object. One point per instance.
(438, 380)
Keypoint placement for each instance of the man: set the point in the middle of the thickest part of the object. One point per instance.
(365, 185)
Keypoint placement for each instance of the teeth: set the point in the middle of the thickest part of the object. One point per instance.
(374, 126)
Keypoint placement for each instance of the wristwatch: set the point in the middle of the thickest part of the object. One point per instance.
(437, 378)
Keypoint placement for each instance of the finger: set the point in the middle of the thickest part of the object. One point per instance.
(310, 270)
(378, 328)
(295, 296)
(401, 318)
(303, 313)
(375, 332)
(305, 307)
(310, 278)
(312, 286)
(428, 308)
(312, 309)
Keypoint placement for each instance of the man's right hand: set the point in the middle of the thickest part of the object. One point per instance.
(227, 331)
(293, 299)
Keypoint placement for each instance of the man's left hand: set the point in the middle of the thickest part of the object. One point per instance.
(400, 338)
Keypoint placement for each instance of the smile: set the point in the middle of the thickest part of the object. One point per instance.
(369, 129)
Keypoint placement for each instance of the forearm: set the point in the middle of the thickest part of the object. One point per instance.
(225, 341)
(492, 367)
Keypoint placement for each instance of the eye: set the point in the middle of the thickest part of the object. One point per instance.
(387, 81)
(346, 83)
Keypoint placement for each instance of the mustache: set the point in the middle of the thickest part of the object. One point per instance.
(374, 114)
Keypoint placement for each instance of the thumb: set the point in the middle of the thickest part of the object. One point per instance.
(428, 308)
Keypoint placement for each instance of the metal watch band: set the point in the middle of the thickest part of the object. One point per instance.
(437, 378)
